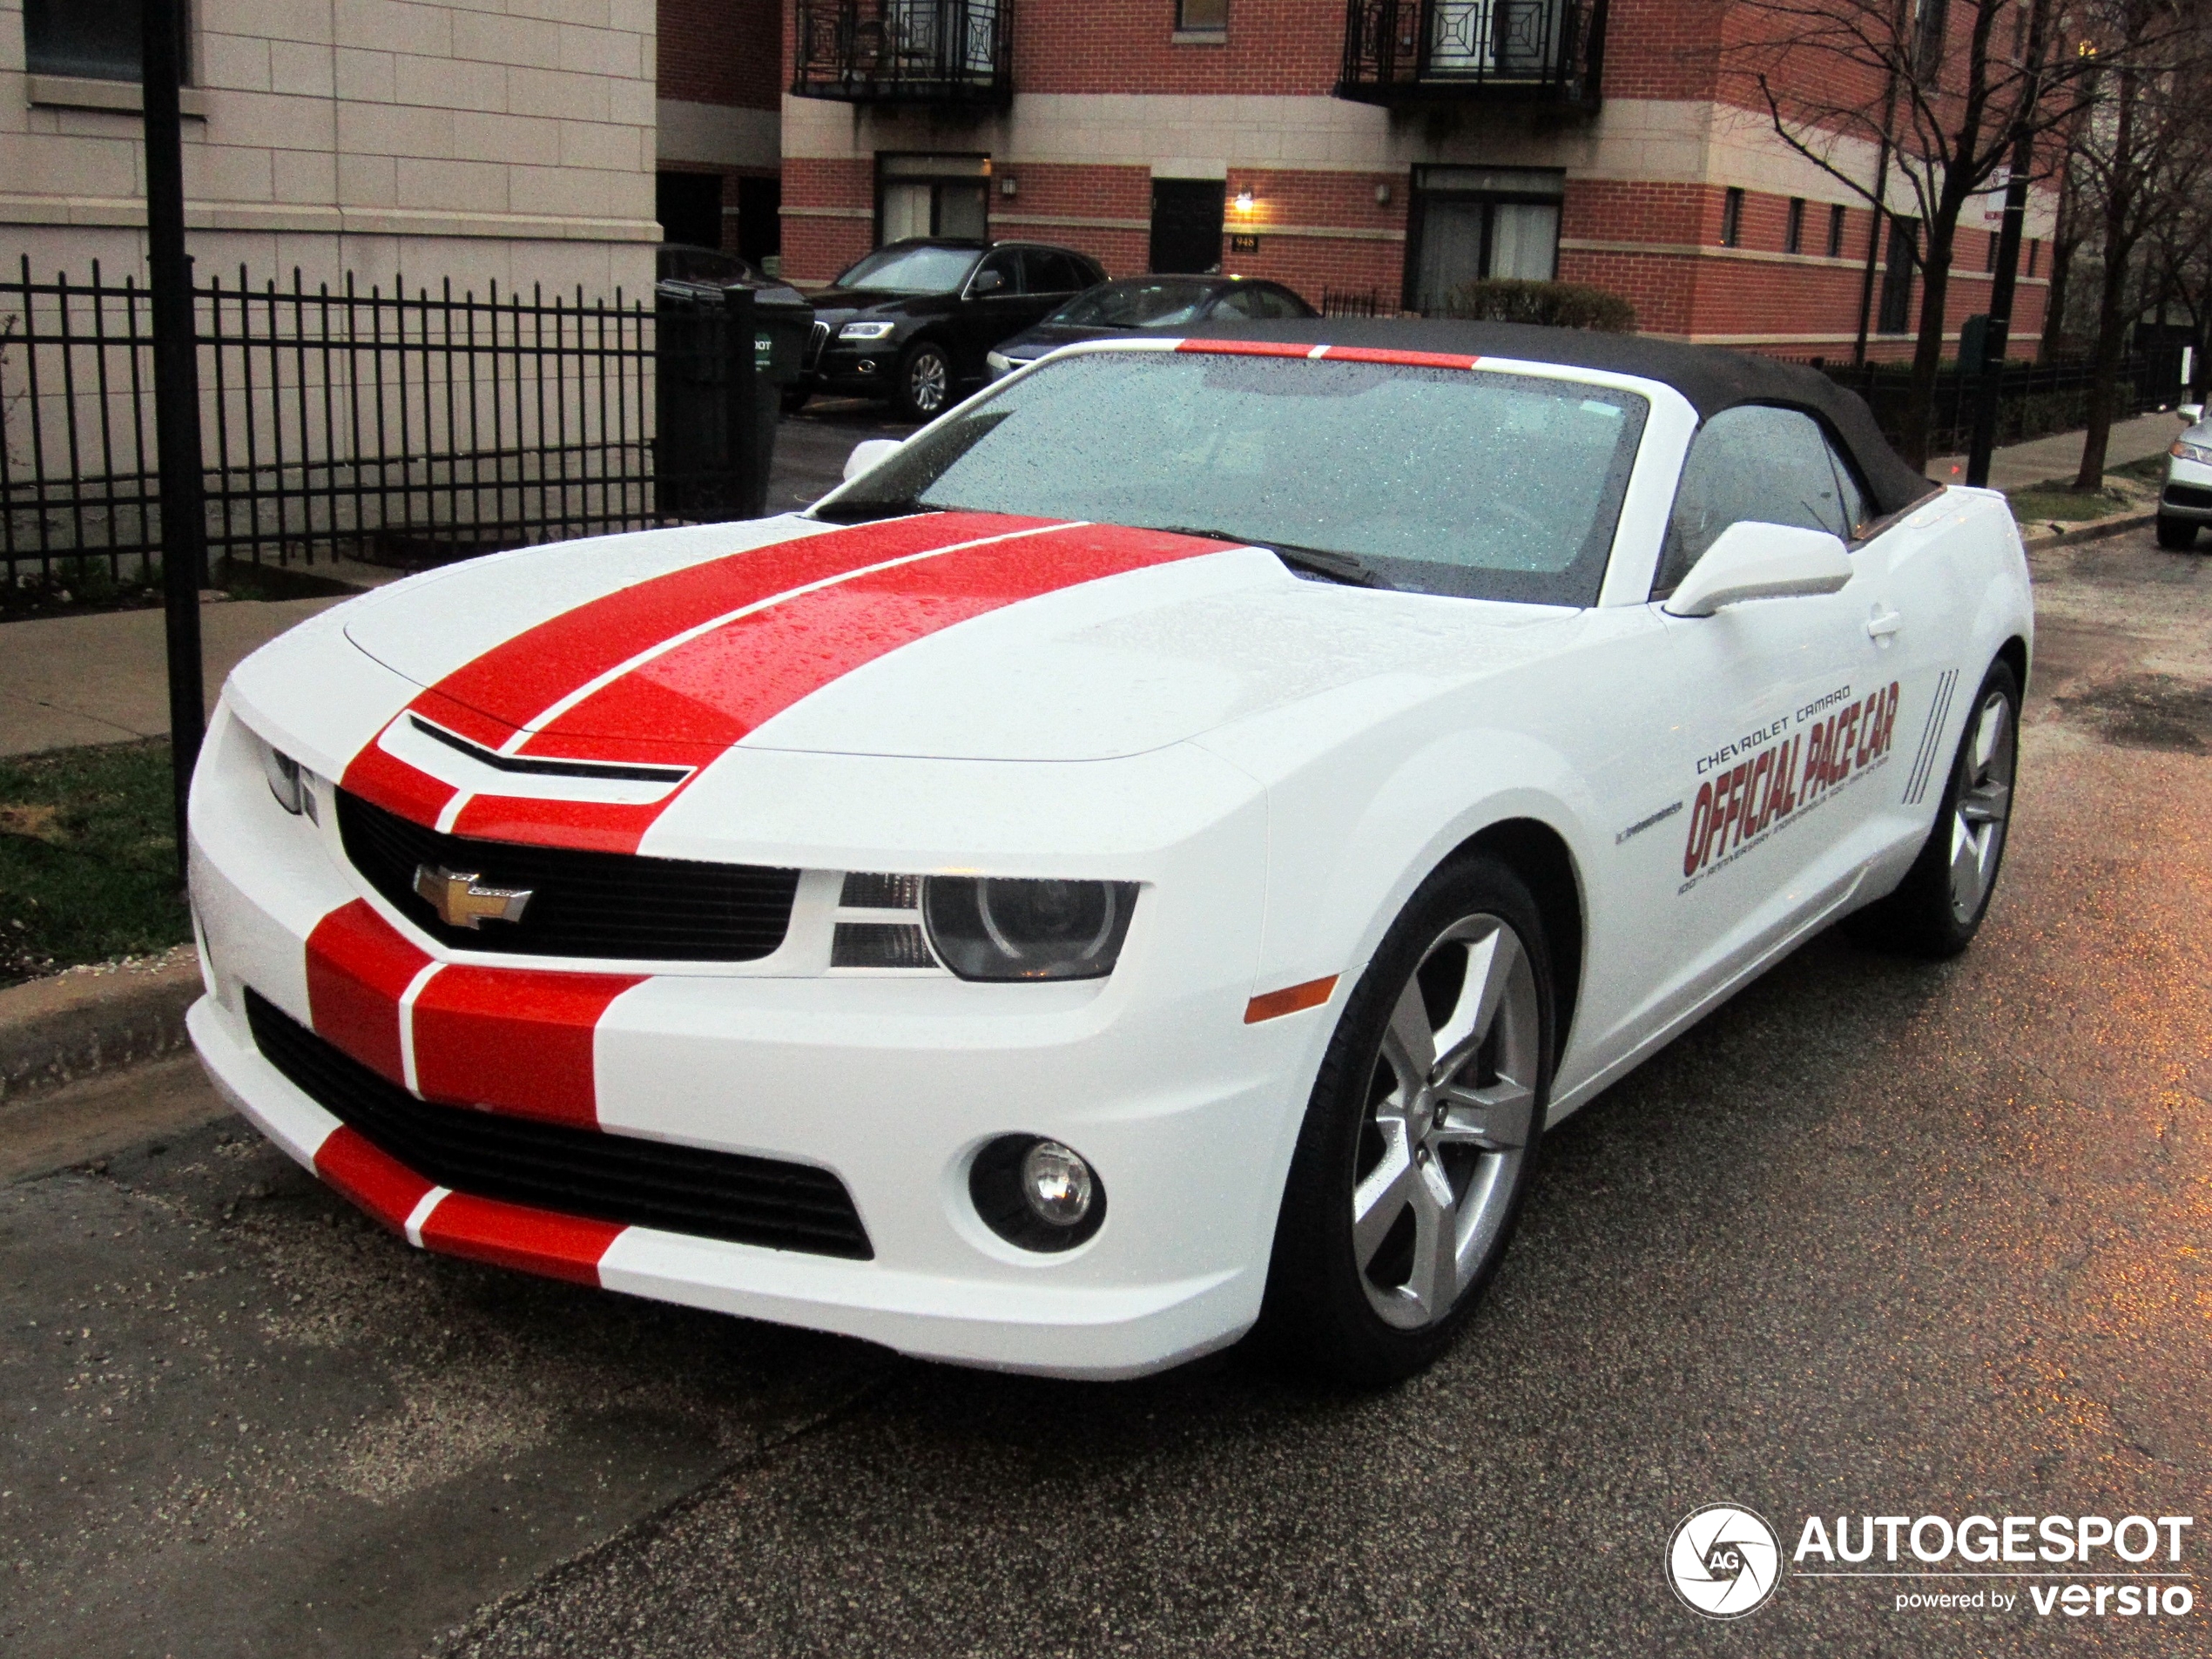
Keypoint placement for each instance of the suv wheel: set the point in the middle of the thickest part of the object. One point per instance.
(925, 382)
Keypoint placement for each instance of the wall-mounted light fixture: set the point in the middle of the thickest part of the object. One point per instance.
(1242, 203)
(1008, 185)
(1382, 195)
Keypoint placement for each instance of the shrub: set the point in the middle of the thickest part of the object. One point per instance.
(1560, 305)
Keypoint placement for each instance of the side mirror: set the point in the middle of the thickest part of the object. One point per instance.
(987, 282)
(868, 454)
(1755, 560)
(2191, 413)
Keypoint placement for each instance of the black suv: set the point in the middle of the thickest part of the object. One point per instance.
(914, 320)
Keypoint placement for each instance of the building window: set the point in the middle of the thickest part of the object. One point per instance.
(1732, 219)
(1836, 231)
(1201, 16)
(1897, 277)
(1929, 28)
(1469, 223)
(1794, 240)
(2034, 251)
(98, 40)
(931, 196)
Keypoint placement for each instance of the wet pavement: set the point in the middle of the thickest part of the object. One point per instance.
(1878, 1237)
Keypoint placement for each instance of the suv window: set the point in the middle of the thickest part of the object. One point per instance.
(1276, 303)
(1008, 263)
(1051, 272)
(1771, 466)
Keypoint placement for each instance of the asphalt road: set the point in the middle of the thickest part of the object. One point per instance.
(1878, 1237)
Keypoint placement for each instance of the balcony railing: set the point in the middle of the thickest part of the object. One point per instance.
(910, 51)
(1436, 51)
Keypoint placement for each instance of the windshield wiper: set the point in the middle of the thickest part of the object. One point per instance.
(1346, 567)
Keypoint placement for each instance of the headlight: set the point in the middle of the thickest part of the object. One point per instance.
(287, 782)
(2201, 454)
(985, 927)
(865, 330)
(998, 363)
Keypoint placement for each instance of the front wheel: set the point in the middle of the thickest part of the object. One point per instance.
(1420, 1135)
(1938, 908)
(2176, 535)
(925, 382)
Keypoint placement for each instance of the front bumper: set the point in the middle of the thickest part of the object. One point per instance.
(2188, 493)
(891, 1083)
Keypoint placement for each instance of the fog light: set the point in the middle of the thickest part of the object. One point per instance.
(1055, 1184)
(1036, 1193)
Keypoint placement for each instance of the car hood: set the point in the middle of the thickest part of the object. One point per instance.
(1050, 336)
(953, 635)
(877, 302)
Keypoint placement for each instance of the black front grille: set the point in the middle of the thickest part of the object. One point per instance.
(608, 1177)
(581, 904)
(2188, 495)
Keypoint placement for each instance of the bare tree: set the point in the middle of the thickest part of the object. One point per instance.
(1942, 90)
(2066, 242)
(2133, 152)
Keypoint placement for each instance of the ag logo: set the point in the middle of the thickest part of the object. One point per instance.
(1723, 1560)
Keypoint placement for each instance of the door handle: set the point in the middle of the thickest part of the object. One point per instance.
(1883, 623)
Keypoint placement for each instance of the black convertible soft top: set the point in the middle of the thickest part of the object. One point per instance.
(1711, 379)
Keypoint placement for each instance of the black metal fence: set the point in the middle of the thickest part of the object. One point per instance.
(1350, 302)
(925, 51)
(1431, 52)
(2034, 400)
(375, 425)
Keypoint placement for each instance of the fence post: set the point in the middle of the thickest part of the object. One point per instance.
(176, 399)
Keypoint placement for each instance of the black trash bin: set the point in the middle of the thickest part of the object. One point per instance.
(725, 351)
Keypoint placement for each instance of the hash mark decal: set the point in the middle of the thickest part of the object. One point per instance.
(1916, 784)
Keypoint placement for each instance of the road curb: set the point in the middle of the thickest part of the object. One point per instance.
(88, 1020)
(2095, 529)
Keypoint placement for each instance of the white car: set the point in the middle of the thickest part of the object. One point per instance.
(1147, 858)
(2185, 501)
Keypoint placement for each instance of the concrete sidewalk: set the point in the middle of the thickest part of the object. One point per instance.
(73, 680)
(2018, 465)
(104, 679)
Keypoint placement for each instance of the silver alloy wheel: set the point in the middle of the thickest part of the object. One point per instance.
(928, 376)
(1985, 806)
(1450, 1106)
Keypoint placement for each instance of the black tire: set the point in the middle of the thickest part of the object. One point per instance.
(2176, 535)
(1926, 916)
(1326, 1310)
(925, 389)
(793, 398)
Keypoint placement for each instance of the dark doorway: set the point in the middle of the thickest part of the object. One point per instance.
(761, 225)
(1186, 225)
(1897, 277)
(689, 206)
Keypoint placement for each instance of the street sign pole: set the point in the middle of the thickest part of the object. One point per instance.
(176, 395)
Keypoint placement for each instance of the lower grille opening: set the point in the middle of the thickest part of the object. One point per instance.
(590, 1173)
(2188, 495)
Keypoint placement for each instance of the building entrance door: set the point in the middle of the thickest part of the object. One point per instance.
(1186, 225)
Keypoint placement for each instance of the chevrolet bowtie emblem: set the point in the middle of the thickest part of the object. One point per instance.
(461, 903)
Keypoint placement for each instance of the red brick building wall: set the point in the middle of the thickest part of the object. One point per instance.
(1646, 180)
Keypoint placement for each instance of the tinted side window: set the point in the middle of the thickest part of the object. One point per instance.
(1240, 302)
(1274, 303)
(1769, 465)
(1008, 263)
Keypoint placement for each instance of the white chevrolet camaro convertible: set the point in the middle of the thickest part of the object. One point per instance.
(1143, 860)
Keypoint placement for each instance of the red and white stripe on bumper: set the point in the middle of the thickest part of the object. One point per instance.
(502, 1039)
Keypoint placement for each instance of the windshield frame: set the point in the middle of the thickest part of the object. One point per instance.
(974, 258)
(1209, 291)
(1639, 524)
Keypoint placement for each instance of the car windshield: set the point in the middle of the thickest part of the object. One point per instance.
(911, 270)
(1469, 483)
(1136, 304)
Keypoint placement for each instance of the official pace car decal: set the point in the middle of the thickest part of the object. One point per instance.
(674, 671)
(1767, 779)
